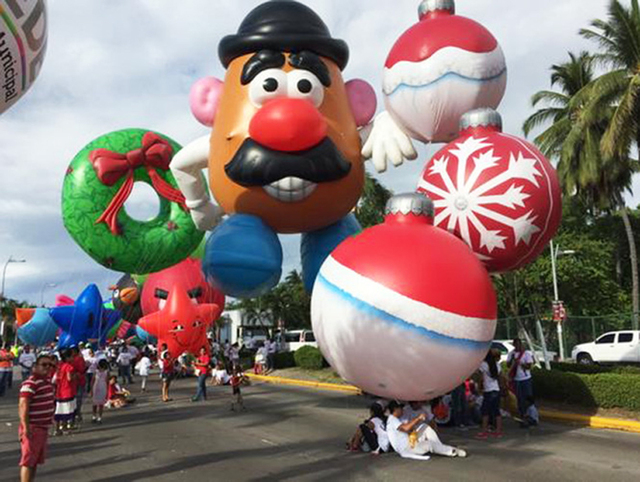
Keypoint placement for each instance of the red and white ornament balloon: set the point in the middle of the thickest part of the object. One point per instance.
(440, 68)
(404, 310)
(495, 191)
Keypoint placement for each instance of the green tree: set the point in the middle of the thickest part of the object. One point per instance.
(370, 208)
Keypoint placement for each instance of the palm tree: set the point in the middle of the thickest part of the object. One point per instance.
(618, 90)
(574, 139)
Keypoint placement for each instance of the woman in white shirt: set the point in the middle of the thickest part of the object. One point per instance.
(372, 434)
(490, 372)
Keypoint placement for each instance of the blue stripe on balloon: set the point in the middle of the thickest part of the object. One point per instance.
(445, 77)
(399, 322)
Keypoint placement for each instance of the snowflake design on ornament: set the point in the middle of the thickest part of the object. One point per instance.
(462, 201)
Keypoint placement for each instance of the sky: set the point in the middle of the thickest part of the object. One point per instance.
(114, 64)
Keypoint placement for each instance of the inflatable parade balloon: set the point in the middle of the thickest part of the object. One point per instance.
(187, 276)
(23, 42)
(495, 191)
(284, 151)
(97, 184)
(35, 326)
(181, 324)
(404, 310)
(87, 320)
(440, 68)
(125, 297)
(145, 337)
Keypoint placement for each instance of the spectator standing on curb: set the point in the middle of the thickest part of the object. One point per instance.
(271, 355)
(26, 361)
(519, 362)
(36, 408)
(6, 368)
(168, 372)
(491, 390)
(234, 355)
(124, 365)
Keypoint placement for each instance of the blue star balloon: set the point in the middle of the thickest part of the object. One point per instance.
(40, 330)
(85, 321)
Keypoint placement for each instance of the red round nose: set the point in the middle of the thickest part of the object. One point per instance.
(287, 124)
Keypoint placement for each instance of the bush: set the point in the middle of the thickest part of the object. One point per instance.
(308, 357)
(284, 359)
(593, 369)
(606, 390)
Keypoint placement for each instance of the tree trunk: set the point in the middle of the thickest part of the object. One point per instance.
(634, 265)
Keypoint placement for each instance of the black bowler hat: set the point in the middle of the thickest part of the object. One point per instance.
(285, 26)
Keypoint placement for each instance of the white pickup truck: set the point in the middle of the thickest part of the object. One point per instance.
(612, 347)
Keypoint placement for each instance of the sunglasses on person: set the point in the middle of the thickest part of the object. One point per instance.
(45, 364)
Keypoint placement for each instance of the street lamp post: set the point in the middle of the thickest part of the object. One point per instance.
(554, 256)
(2, 302)
(44, 287)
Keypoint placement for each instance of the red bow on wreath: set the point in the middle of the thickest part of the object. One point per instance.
(110, 166)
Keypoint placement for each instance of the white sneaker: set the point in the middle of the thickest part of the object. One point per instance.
(459, 453)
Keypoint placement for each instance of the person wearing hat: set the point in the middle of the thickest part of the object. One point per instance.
(284, 153)
(415, 439)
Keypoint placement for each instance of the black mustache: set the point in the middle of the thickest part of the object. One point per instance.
(256, 165)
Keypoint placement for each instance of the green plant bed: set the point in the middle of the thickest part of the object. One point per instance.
(594, 369)
(605, 390)
(284, 359)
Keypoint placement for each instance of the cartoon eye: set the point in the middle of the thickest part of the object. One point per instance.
(116, 293)
(302, 84)
(267, 85)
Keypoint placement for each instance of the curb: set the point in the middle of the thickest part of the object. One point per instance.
(305, 383)
(587, 420)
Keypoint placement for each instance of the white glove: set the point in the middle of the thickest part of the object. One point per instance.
(387, 141)
(205, 214)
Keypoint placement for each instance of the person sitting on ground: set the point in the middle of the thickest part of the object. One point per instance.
(220, 376)
(415, 439)
(491, 381)
(531, 416)
(415, 408)
(371, 436)
(116, 395)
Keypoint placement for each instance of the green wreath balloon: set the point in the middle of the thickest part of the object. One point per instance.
(97, 184)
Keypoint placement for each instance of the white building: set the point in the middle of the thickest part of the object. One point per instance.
(237, 328)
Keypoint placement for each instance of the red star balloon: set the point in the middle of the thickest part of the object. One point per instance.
(181, 324)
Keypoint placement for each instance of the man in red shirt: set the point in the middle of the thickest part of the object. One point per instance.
(202, 371)
(80, 367)
(36, 408)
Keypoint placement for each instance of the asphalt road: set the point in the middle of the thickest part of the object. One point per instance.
(299, 434)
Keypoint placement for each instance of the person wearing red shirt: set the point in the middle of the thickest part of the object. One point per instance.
(202, 371)
(80, 366)
(65, 393)
(168, 371)
(36, 408)
(236, 380)
(6, 369)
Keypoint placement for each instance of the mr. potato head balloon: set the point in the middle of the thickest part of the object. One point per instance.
(284, 153)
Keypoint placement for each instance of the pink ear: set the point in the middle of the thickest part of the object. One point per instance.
(362, 99)
(204, 98)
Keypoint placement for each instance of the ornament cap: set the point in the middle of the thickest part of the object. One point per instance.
(484, 117)
(428, 6)
(413, 202)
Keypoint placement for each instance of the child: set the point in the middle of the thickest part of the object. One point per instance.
(236, 380)
(99, 390)
(143, 367)
(65, 394)
(117, 396)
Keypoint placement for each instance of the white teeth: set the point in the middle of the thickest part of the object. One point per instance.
(290, 189)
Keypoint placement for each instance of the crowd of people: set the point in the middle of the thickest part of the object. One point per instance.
(411, 429)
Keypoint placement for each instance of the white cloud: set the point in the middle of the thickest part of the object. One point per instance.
(113, 64)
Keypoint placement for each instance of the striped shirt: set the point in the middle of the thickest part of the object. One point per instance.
(39, 392)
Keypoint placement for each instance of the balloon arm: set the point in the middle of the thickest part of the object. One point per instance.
(63, 316)
(150, 323)
(186, 167)
(387, 142)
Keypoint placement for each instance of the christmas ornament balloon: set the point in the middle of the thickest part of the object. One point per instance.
(181, 324)
(404, 310)
(495, 191)
(440, 68)
(23, 42)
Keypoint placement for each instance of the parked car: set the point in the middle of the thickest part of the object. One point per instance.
(612, 347)
(295, 339)
(506, 346)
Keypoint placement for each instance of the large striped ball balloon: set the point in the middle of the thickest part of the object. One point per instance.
(404, 310)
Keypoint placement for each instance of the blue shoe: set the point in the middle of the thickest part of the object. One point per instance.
(316, 246)
(243, 257)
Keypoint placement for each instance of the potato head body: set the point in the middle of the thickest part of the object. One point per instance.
(284, 152)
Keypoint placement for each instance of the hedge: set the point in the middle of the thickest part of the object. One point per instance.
(284, 359)
(593, 369)
(308, 357)
(605, 390)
